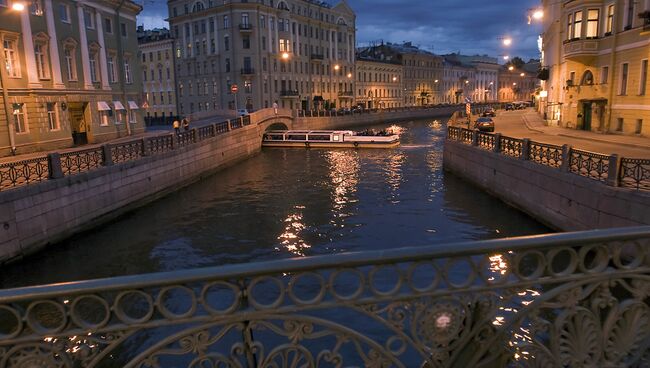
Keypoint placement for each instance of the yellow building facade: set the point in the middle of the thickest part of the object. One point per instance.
(598, 63)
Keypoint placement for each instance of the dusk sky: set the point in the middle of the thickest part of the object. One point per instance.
(441, 26)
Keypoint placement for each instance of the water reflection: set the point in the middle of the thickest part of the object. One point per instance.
(291, 239)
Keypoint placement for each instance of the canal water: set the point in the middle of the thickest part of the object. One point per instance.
(289, 203)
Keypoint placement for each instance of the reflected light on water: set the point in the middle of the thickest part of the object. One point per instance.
(393, 170)
(291, 237)
(344, 174)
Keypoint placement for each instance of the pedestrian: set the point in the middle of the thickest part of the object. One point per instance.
(177, 126)
(275, 107)
(186, 124)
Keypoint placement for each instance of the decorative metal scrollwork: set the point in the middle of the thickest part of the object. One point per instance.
(81, 161)
(635, 173)
(14, 174)
(589, 164)
(128, 151)
(511, 146)
(546, 154)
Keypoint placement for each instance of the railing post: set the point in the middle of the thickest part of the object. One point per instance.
(194, 135)
(497, 143)
(614, 172)
(475, 138)
(173, 136)
(213, 130)
(107, 156)
(525, 149)
(241, 121)
(145, 151)
(54, 165)
(229, 126)
(566, 158)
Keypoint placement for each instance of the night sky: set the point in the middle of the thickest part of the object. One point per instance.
(441, 26)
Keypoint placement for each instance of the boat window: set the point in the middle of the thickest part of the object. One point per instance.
(319, 137)
(297, 137)
(274, 137)
(335, 138)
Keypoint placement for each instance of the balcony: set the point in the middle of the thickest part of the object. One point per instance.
(581, 50)
(289, 94)
(317, 57)
(247, 71)
(646, 22)
(346, 94)
(246, 27)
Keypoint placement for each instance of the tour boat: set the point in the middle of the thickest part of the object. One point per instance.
(329, 139)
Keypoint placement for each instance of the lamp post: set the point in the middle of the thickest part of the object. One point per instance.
(17, 6)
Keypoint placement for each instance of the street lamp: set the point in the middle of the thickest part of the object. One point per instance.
(522, 74)
(507, 41)
(285, 56)
(19, 7)
(511, 68)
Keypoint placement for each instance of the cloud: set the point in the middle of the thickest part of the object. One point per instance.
(441, 26)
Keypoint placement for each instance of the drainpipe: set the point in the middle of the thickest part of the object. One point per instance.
(8, 109)
(120, 53)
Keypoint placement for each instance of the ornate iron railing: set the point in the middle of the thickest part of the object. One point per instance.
(205, 132)
(185, 138)
(609, 169)
(466, 136)
(235, 123)
(635, 173)
(81, 161)
(589, 164)
(486, 141)
(545, 154)
(573, 299)
(221, 128)
(161, 144)
(18, 173)
(246, 120)
(511, 146)
(128, 151)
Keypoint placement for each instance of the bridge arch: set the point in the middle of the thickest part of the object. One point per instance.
(277, 126)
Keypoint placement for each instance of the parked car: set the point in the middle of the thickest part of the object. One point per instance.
(509, 107)
(484, 124)
(489, 112)
(242, 112)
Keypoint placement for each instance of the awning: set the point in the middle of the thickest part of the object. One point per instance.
(133, 105)
(103, 106)
(118, 105)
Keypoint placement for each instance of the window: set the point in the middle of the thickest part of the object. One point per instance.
(12, 63)
(123, 29)
(227, 65)
(127, 72)
(630, 14)
(226, 22)
(604, 75)
(110, 63)
(592, 23)
(246, 42)
(20, 125)
(226, 41)
(64, 13)
(36, 8)
(103, 117)
(623, 82)
(70, 63)
(643, 79)
(94, 66)
(42, 67)
(619, 124)
(577, 25)
(284, 45)
(89, 19)
(132, 117)
(52, 116)
(108, 25)
(245, 19)
(610, 20)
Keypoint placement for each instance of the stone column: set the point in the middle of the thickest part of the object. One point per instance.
(55, 60)
(207, 32)
(28, 43)
(83, 40)
(191, 40)
(103, 66)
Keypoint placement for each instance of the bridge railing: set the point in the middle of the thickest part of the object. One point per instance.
(573, 299)
(633, 173)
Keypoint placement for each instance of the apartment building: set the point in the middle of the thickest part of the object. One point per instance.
(596, 54)
(519, 83)
(379, 80)
(158, 75)
(296, 53)
(482, 74)
(71, 74)
(457, 81)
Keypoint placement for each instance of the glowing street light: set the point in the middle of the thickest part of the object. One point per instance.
(337, 67)
(538, 14)
(349, 75)
(507, 41)
(511, 68)
(435, 81)
(506, 57)
(394, 79)
(18, 6)
(522, 75)
(285, 56)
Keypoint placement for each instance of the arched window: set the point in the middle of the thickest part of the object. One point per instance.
(587, 78)
(198, 6)
(283, 6)
(341, 22)
(41, 54)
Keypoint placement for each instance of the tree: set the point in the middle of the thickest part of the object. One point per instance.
(517, 62)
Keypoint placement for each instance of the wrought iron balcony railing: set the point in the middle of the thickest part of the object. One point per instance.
(573, 299)
(289, 93)
(245, 27)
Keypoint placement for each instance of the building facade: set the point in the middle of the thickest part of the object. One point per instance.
(596, 54)
(483, 76)
(518, 84)
(158, 75)
(296, 53)
(379, 83)
(457, 81)
(71, 73)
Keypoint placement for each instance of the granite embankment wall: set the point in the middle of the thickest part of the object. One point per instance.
(562, 200)
(46, 212)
